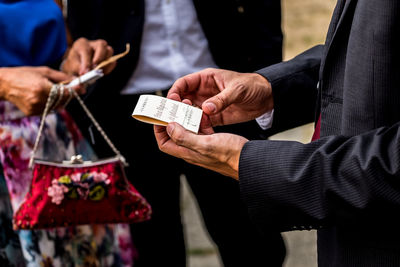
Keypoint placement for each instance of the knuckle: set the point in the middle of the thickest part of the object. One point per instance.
(101, 42)
(110, 49)
(179, 138)
(81, 40)
(210, 73)
(240, 89)
(35, 90)
(46, 70)
(240, 86)
(43, 69)
(220, 100)
(212, 70)
(34, 101)
(160, 146)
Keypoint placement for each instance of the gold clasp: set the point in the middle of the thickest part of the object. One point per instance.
(76, 159)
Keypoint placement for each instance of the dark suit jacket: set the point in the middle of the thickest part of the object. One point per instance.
(347, 184)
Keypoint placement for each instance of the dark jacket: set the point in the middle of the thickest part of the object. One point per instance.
(346, 184)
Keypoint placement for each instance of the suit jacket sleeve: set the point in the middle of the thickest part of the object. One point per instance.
(294, 86)
(336, 179)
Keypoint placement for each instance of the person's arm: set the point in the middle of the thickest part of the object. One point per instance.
(294, 89)
(341, 180)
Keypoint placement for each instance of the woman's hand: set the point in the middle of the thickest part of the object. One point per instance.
(28, 87)
(84, 55)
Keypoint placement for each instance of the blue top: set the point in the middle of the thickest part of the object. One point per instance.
(32, 33)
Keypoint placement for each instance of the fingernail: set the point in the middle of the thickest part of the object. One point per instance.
(211, 107)
(170, 129)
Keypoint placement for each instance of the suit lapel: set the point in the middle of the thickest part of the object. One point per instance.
(342, 18)
(340, 21)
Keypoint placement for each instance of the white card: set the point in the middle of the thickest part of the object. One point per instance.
(161, 111)
(88, 78)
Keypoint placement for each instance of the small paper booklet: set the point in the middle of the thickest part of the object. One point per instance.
(161, 111)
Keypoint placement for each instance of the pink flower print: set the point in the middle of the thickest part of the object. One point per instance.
(56, 192)
(76, 177)
(99, 177)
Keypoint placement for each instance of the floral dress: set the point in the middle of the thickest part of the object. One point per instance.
(97, 245)
(33, 34)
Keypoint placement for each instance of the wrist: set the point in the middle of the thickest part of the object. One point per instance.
(267, 88)
(234, 160)
(270, 102)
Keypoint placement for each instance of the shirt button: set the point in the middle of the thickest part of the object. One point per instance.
(168, 1)
(240, 9)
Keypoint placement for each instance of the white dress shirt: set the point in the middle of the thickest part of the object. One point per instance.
(265, 121)
(173, 45)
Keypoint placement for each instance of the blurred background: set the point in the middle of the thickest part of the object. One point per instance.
(305, 24)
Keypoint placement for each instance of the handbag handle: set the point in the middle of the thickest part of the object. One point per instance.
(54, 93)
(57, 90)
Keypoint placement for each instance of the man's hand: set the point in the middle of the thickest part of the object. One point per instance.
(85, 55)
(227, 97)
(28, 87)
(218, 152)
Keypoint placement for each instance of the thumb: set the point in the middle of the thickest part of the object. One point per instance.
(219, 102)
(182, 137)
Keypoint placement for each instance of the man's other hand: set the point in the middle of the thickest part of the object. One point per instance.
(219, 152)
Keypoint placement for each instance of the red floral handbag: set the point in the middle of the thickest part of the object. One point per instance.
(79, 192)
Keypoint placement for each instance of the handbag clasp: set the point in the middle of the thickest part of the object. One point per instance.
(76, 159)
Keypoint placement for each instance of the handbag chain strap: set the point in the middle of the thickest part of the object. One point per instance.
(54, 92)
(98, 127)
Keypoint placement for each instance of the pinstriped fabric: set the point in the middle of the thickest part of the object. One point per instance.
(347, 182)
(333, 181)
